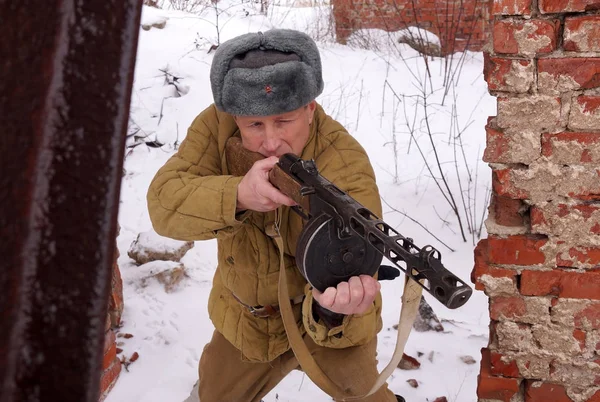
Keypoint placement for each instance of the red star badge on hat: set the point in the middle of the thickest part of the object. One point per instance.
(268, 89)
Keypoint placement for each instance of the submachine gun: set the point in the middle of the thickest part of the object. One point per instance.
(342, 238)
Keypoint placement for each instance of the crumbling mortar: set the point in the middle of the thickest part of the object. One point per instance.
(556, 248)
(576, 54)
(592, 92)
(550, 84)
(566, 309)
(576, 229)
(521, 337)
(519, 396)
(498, 286)
(571, 152)
(490, 400)
(544, 180)
(553, 337)
(540, 113)
(575, 371)
(494, 228)
(582, 120)
(531, 45)
(544, 355)
(582, 394)
(580, 36)
(582, 267)
(523, 145)
(565, 108)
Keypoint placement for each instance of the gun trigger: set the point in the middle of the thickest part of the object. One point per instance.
(306, 190)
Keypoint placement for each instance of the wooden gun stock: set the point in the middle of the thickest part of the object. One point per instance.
(240, 160)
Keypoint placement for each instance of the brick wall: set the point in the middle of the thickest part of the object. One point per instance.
(540, 265)
(111, 365)
(458, 23)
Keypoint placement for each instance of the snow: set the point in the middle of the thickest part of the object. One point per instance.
(154, 241)
(378, 95)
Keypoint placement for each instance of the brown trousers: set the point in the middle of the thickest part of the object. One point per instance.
(224, 377)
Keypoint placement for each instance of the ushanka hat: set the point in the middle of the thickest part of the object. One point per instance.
(262, 74)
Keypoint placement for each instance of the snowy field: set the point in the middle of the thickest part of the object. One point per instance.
(393, 102)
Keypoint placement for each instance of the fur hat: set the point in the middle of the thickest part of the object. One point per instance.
(262, 74)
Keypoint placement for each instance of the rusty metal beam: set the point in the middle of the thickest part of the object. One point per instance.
(66, 70)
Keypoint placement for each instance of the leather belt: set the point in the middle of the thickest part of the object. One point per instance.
(266, 311)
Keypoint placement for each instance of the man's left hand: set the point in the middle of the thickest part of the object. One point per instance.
(353, 297)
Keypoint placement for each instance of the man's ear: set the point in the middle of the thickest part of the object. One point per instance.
(312, 106)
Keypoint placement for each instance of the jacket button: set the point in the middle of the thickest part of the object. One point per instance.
(230, 260)
(312, 328)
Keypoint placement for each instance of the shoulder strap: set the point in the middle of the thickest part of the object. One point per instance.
(410, 306)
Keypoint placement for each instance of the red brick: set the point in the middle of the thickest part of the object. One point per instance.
(588, 256)
(589, 317)
(561, 283)
(512, 7)
(512, 75)
(109, 377)
(508, 211)
(589, 104)
(107, 323)
(581, 34)
(545, 392)
(595, 397)
(490, 387)
(482, 268)
(500, 367)
(586, 210)
(453, 32)
(574, 147)
(511, 308)
(109, 339)
(496, 146)
(583, 70)
(558, 6)
(585, 113)
(503, 185)
(109, 356)
(115, 305)
(580, 336)
(516, 250)
(537, 218)
(494, 272)
(525, 37)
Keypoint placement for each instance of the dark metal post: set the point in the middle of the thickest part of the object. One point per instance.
(66, 70)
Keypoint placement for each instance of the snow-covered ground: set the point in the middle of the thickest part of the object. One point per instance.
(378, 96)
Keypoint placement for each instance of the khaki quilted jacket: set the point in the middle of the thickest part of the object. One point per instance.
(193, 197)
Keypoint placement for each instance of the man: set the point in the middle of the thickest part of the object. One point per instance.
(264, 87)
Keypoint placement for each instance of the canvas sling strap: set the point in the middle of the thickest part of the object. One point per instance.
(410, 306)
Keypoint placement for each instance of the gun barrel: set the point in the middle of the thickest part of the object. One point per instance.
(423, 265)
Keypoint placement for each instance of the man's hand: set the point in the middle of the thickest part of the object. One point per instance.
(256, 193)
(352, 297)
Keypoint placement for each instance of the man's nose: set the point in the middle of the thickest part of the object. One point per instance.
(272, 140)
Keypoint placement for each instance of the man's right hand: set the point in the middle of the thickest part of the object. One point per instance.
(256, 193)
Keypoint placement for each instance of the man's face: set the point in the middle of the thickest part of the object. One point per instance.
(278, 134)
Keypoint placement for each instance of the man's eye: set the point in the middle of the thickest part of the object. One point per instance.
(255, 124)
